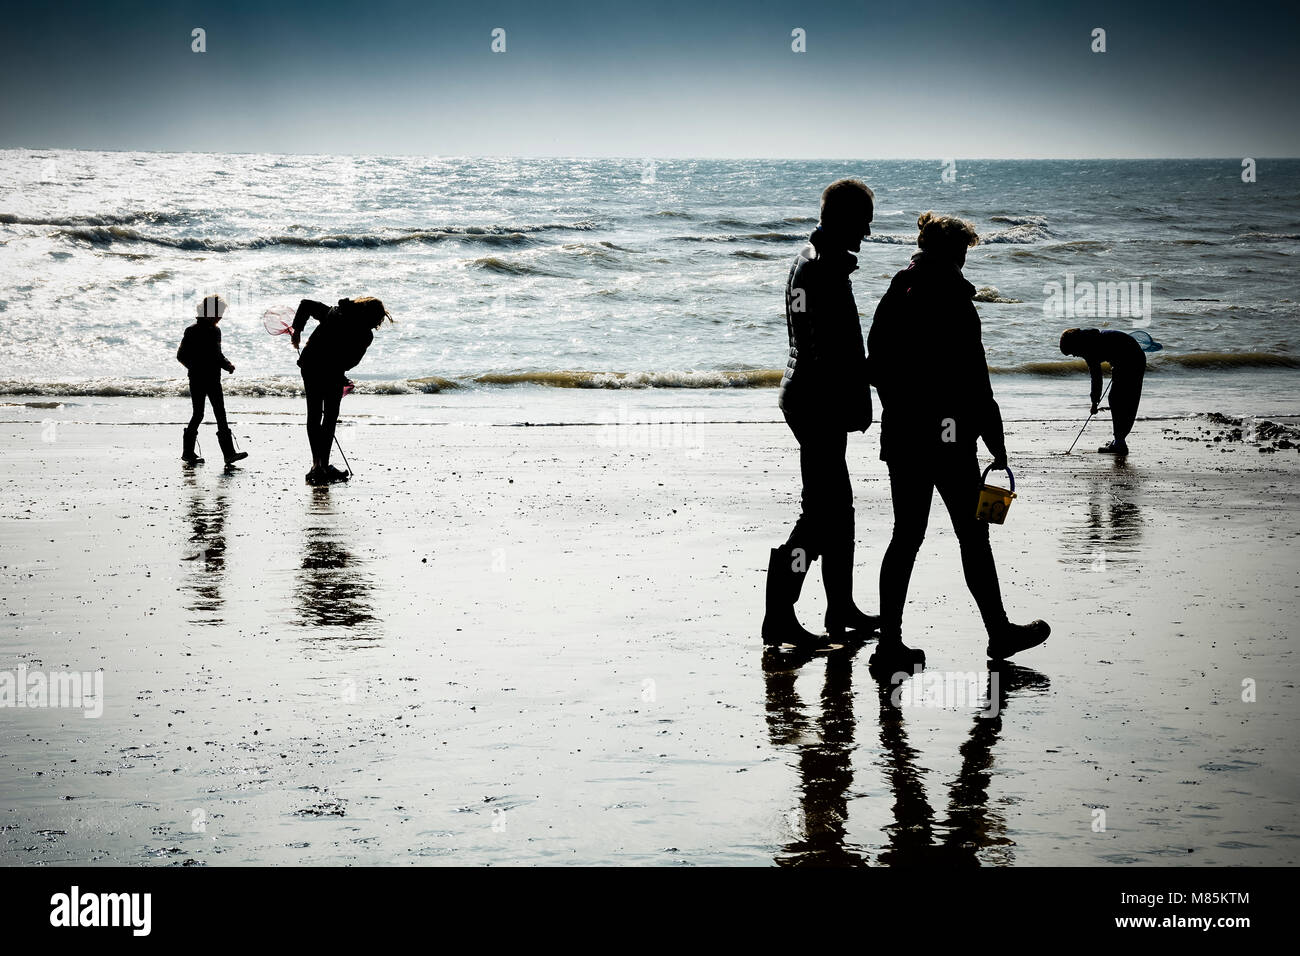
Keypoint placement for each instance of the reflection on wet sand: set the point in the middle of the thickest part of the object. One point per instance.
(825, 758)
(1112, 530)
(971, 834)
(205, 550)
(333, 587)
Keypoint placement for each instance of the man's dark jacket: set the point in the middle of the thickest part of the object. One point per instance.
(825, 377)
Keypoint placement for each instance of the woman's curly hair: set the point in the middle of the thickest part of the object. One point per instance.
(946, 235)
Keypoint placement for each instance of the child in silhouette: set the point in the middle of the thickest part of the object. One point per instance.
(200, 353)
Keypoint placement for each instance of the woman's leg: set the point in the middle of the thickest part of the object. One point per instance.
(315, 405)
(959, 485)
(911, 489)
(330, 399)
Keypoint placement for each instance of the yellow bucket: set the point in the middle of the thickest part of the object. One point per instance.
(995, 502)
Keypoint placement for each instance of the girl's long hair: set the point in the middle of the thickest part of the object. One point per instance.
(367, 308)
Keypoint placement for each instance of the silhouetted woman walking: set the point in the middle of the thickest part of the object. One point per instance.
(926, 359)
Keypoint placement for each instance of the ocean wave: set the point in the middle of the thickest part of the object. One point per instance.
(1191, 361)
(1026, 232)
(490, 236)
(108, 219)
(755, 254)
(1266, 237)
(747, 237)
(1020, 220)
(291, 386)
(748, 378)
(767, 225)
(990, 293)
(507, 268)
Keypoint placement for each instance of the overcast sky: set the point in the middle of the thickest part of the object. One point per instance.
(910, 79)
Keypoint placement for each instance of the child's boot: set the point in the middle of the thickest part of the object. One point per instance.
(227, 443)
(187, 447)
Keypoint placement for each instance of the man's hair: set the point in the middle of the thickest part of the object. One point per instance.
(846, 200)
(1067, 339)
(946, 235)
(212, 307)
(370, 310)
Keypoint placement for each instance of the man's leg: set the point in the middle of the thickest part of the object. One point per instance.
(825, 489)
(788, 565)
(1125, 394)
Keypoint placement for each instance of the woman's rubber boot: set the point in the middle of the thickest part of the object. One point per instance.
(1014, 638)
(785, 574)
(844, 621)
(227, 442)
(188, 455)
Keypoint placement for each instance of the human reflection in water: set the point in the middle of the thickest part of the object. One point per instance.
(333, 588)
(1112, 528)
(205, 549)
(825, 756)
(825, 762)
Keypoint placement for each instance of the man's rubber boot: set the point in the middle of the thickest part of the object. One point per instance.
(1014, 638)
(784, 584)
(188, 455)
(1115, 447)
(844, 621)
(227, 442)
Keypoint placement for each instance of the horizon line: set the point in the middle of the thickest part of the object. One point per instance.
(638, 158)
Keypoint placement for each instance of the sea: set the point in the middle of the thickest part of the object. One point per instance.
(508, 273)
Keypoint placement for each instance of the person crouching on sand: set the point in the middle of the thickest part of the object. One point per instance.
(343, 334)
(824, 396)
(200, 353)
(1128, 366)
(926, 359)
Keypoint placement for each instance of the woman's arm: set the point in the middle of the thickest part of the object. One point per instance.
(307, 309)
(989, 414)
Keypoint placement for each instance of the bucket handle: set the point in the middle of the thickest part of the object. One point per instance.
(984, 477)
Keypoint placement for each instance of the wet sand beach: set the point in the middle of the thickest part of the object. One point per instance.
(538, 644)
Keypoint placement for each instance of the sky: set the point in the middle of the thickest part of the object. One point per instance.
(879, 80)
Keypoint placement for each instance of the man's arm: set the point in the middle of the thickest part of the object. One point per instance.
(1094, 368)
(841, 356)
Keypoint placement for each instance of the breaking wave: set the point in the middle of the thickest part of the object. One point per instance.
(722, 378)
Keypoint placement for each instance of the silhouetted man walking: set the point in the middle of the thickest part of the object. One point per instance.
(824, 396)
